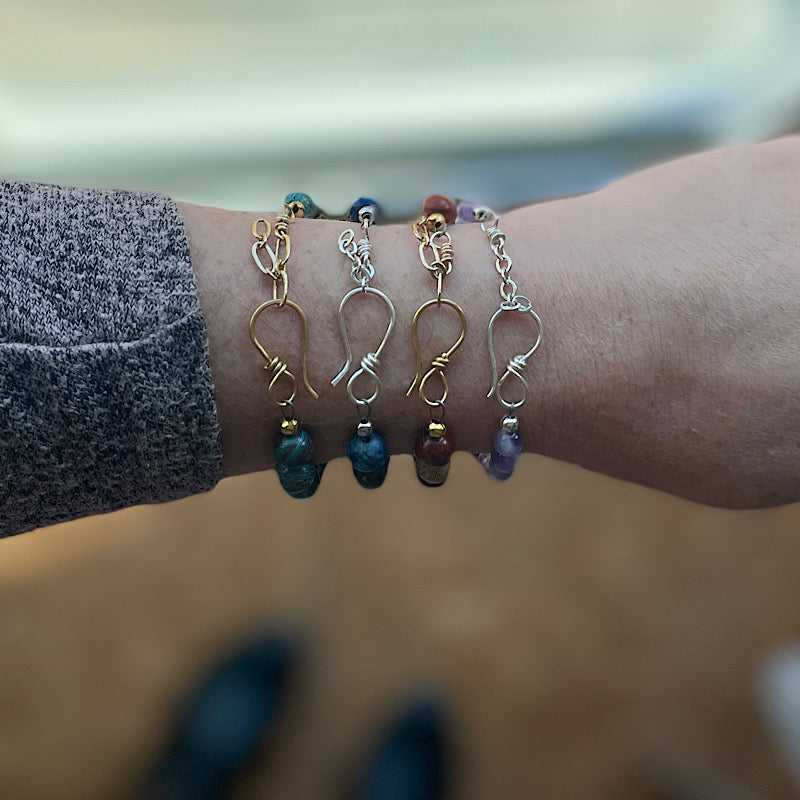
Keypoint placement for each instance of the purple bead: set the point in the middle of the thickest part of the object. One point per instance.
(508, 444)
(499, 464)
(466, 212)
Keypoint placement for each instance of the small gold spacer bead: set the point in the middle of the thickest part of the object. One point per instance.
(435, 222)
(289, 427)
(297, 208)
(436, 430)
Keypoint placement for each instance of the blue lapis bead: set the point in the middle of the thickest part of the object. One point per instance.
(294, 463)
(369, 456)
(352, 214)
(499, 464)
(311, 209)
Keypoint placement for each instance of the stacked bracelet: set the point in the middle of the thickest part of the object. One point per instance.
(298, 472)
(499, 464)
(367, 449)
(294, 451)
(433, 446)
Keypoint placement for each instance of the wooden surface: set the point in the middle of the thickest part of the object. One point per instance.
(581, 628)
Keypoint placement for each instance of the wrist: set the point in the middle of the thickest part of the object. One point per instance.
(230, 287)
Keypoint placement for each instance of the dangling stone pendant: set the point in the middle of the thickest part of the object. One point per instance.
(499, 464)
(294, 460)
(369, 456)
(432, 451)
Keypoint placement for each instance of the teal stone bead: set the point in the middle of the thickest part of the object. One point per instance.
(311, 209)
(369, 456)
(294, 463)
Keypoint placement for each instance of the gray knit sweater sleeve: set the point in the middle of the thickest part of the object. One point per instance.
(106, 397)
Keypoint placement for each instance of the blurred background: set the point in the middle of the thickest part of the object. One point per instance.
(513, 100)
(593, 639)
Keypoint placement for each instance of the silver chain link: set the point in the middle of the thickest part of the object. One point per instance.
(362, 272)
(359, 253)
(511, 301)
(503, 263)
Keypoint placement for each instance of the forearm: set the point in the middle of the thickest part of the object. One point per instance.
(230, 287)
(669, 302)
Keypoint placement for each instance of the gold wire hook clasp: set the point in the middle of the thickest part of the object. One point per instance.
(283, 279)
(521, 305)
(274, 365)
(431, 232)
(261, 230)
(283, 241)
(369, 362)
(440, 362)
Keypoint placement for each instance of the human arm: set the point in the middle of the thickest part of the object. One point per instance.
(670, 354)
(669, 299)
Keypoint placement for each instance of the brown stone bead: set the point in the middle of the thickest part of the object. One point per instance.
(432, 457)
(438, 203)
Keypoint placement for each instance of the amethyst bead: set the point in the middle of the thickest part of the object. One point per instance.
(499, 464)
(466, 212)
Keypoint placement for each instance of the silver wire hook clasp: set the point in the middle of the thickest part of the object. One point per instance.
(360, 252)
(520, 305)
(370, 362)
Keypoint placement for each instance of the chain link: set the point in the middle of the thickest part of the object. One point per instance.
(440, 246)
(512, 301)
(280, 252)
(362, 271)
(503, 262)
(359, 253)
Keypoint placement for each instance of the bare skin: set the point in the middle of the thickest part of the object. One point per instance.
(670, 301)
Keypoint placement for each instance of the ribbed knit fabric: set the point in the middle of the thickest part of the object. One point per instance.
(106, 397)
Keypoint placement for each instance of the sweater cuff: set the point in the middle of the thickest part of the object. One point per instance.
(106, 397)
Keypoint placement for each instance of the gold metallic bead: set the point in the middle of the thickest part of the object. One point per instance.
(297, 208)
(289, 427)
(436, 429)
(435, 222)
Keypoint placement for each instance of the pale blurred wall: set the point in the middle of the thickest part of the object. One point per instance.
(510, 101)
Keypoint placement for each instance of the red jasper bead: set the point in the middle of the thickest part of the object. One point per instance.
(432, 457)
(438, 203)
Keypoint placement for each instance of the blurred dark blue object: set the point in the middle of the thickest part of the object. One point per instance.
(408, 764)
(227, 720)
